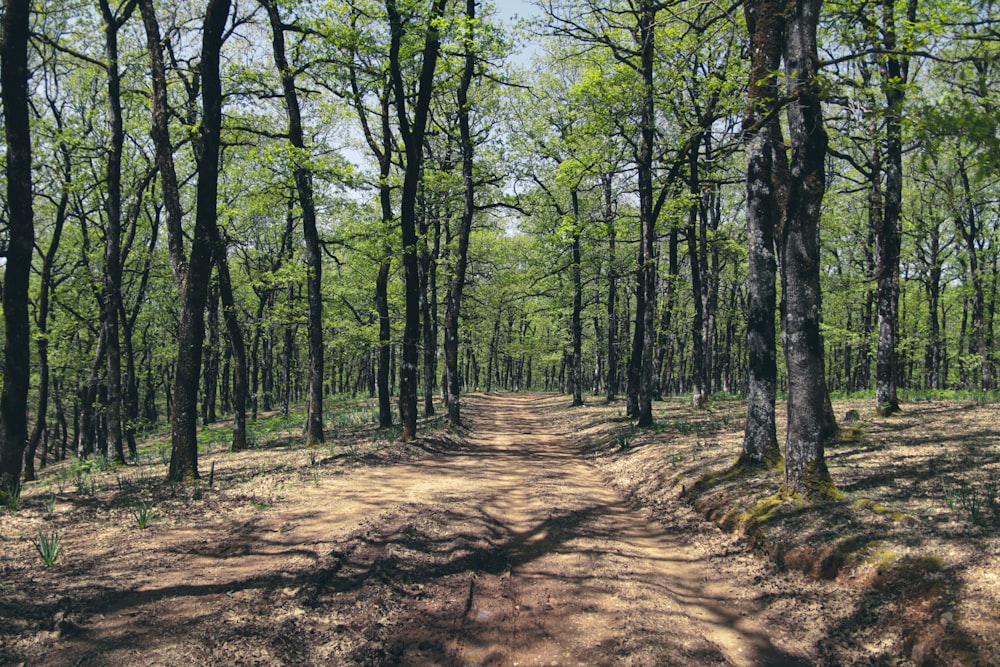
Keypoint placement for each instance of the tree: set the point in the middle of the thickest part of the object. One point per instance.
(453, 300)
(304, 188)
(762, 136)
(14, 32)
(411, 132)
(191, 328)
(805, 465)
(113, 23)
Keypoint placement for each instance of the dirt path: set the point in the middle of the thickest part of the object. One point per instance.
(507, 550)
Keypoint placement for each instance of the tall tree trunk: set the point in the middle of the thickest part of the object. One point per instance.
(314, 259)
(431, 322)
(576, 325)
(42, 340)
(765, 25)
(160, 133)
(21, 239)
(113, 231)
(384, 343)
(647, 218)
(287, 354)
(699, 379)
(932, 364)
(889, 232)
(453, 299)
(611, 384)
(131, 397)
(969, 226)
(412, 134)
(210, 367)
(191, 328)
(236, 343)
(805, 465)
(664, 344)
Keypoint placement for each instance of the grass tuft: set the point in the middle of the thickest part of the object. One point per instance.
(48, 547)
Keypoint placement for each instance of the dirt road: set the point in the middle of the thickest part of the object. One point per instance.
(506, 549)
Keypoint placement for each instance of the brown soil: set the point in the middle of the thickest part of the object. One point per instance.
(540, 535)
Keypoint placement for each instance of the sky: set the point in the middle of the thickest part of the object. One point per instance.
(510, 8)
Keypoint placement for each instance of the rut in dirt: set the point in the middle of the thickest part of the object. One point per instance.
(563, 571)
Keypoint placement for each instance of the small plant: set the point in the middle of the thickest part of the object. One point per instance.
(992, 493)
(198, 492)
(143, 513)
(624, 439)
(50, 502)
(975, 503)
(972, 502)
(353, 449)
(48, 547)
(682, 426)
(12, 497)
(124, 483)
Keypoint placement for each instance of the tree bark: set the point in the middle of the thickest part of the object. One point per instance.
(42, 341)
(21, 238)
(428, 303)
(647, 218)
(805, 466)
(611, 384)
(412, 135)
(576, 321)
(765, 25)
(113, 230)
(699, 379)
(230, 316)
(453, 299)
(191, 328)
(889, 231)
(210, 366)
(314, 261)
(384, 343)
(159, 131)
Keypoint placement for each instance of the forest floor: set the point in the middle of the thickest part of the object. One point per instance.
(538, 534)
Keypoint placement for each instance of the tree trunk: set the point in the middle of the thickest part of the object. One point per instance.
(969, 227)
(384, 344)
(42, 341)
(113, 229)
(699, 380)
(160, 133)
(210, 371)
(576, 325)
(236, 343)
(412, 135)
(314, 260)
(428, 304)
(287, 352)
(646, 36)
(191, 328)
(611, 384)
(764, 23)
(805, 466)
(453, 299)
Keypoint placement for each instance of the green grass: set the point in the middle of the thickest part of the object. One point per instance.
(143, 513)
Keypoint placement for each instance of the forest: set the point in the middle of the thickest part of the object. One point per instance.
(214, 211)
(222, 213)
